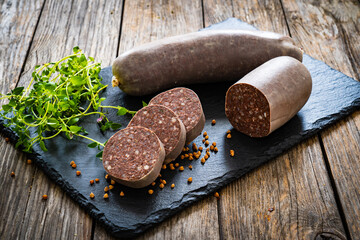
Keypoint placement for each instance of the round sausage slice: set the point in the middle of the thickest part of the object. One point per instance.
(166, 125)
(133, 156)
(269, 96)
(187, 106)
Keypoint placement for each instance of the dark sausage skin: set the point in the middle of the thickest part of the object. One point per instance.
(269, 96)
(200, 57)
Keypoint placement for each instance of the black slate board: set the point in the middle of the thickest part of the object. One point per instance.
(334, 96)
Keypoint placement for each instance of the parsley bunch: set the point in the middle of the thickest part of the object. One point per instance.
(54, 104)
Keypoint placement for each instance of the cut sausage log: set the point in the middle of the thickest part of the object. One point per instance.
(166, 125)
(200, 57)
(269, 96)
(133, 156)
(187, 106)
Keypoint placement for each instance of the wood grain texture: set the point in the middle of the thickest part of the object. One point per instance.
(334, 38)
(145, 21)
(296, 184)
(199, 221)
(14, 190)
(264, 15)
(18, 22)
(56, 218)
(94, 27)
(317, 27)
(342, 146)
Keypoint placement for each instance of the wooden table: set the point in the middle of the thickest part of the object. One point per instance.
(314, 188)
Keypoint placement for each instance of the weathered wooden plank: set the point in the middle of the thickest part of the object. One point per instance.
(143, 22)
(56, 218)
(248, 11)
(14, 190)
(18, 22)
(93, 26)
(199, 221)
(320, 31)
(295, 184)
(334, 38)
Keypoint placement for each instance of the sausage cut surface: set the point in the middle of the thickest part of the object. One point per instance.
(166, 125)
(269, 96)
(133, 156)
(187, 106)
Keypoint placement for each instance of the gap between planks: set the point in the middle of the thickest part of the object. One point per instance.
(334, 188)
(30, 44)
(326, 161)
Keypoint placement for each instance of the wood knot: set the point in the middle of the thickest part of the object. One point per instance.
(328, 236)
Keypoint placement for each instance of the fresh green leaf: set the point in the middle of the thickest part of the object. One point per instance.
(29, 118)
(93, 145)
(76, 49)
(6, 107)
(42, 146)
(12, 102)
(144, 104)
(17, 91)
(50, 86)
(115, 126)
(53, 103)
(122, 111)
(100, 154)
(52, 122)
(17, 145)
(77, 80)
(73, 121)
(75, 129)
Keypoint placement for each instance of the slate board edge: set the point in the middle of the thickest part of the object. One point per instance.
(188, 198)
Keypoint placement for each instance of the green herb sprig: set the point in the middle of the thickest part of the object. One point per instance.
(53, 105)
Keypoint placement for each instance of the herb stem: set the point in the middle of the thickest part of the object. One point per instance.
(28, 87)
(52, 101)
(53, 135)
(101, 144)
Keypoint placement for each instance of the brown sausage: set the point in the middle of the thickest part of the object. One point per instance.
(200, 57)
(187, 106)
(269, 96)
(166, 125)
(133, 156)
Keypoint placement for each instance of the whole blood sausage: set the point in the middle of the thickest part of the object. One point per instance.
(269, 96)
(133, 156)
(166, 125)
(200, 57)
(187, 106)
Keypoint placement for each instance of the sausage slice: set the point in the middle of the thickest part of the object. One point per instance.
(133, 156)
(187, 106)
(166, 125)
(269, 96)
